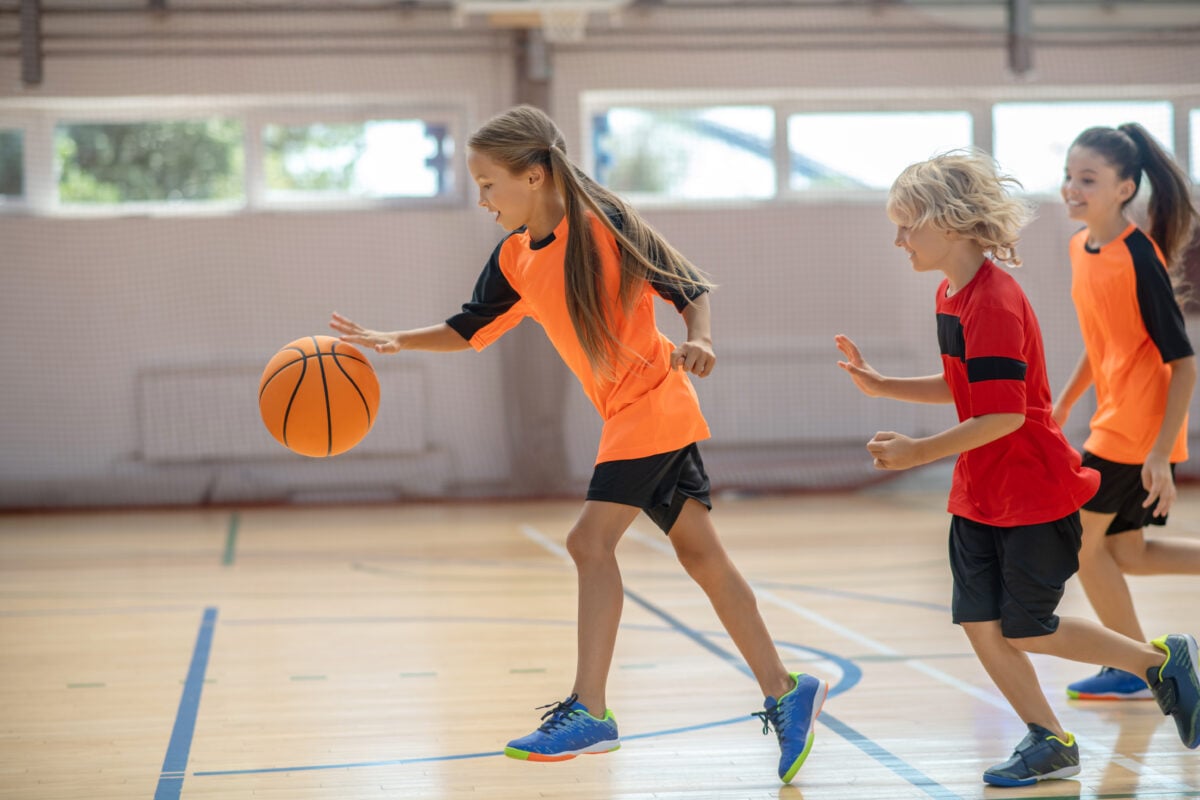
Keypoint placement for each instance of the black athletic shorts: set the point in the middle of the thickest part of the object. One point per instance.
(1121, 493)
(1016, 575)
(658, 484)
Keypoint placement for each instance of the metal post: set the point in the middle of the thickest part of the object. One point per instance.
(31, 42)
(1020, 36)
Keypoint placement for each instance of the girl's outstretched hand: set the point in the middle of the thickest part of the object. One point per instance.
(863, 374)
(694, 357)
(354, 333)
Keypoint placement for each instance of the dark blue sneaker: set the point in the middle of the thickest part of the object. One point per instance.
(1110, 684)
(568, 730)
(793, 716)
(1041, 756)
(1176, 685)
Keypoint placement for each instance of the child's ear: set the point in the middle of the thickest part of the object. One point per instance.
(1126, 190)
(536, 176)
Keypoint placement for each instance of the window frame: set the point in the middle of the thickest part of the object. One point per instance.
(979, 103)
(40, 118)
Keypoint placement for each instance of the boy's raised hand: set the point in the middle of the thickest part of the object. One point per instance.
(863, 374)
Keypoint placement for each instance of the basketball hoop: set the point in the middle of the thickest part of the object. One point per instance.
(559, 20)
(563, 23)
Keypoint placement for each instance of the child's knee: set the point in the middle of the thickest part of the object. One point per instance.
(586, 545)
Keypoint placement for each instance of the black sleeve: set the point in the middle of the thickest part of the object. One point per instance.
(673, 292)
(492, 297)
(1156, 300)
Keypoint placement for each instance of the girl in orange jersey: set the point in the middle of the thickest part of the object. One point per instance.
(1137, 355)
(584, 265)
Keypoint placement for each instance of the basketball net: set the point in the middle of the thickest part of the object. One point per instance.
(562, 23)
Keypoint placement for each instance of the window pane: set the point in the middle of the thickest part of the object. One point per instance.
(377, 158)
(846, 150)
(1032, 138)
(147, 162)
(12, 164)
(717, 152)
(1194, 119)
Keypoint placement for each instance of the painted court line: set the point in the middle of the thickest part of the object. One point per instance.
(170, 782)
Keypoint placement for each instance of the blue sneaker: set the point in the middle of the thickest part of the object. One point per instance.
(1041, 756)
(1110, 684)
(568, 730)
(1176, 685)
(793, 716)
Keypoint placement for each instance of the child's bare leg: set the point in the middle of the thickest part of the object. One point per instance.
(1013, 673)
(700, 552)
(1083, 640)
(592, 543)
(1137, 555)
(1103, 579)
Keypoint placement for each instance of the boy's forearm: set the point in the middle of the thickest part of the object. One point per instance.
(926, 389)
(968, 435)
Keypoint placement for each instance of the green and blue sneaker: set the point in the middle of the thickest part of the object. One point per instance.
(1176, 685)
(568, 730)
(793, 716)
(1110, 684)
(1041, 756)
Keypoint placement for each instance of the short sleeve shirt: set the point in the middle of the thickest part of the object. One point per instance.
(649, 408)
(993, 362)
(1131, 327)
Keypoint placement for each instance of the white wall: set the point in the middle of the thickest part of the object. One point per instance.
(92, 306)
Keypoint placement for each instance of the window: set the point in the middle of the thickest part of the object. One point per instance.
(114, 163)
(12, 164)
(700, 153)
(1031, 139)
(867, 150)
(1194, 127)
(372, 159)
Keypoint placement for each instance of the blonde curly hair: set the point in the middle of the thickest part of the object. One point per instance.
(962, 191)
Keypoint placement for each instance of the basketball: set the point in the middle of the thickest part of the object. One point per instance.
(318, 396)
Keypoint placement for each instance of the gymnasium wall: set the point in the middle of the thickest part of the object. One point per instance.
(133, 344)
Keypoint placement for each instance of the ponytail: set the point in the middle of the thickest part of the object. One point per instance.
(1172, 215)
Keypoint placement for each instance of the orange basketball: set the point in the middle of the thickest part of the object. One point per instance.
(318, 396)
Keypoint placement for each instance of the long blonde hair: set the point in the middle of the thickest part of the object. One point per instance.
(524, 137)
(962, 191)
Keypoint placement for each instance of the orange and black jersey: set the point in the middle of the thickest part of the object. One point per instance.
(648, 408)
(1131, 327)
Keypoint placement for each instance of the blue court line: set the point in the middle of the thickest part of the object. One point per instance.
(888, 759)
(170, 782)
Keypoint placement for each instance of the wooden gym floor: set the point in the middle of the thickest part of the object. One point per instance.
(391, 651)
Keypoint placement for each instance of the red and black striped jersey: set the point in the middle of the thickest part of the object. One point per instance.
(994, 362)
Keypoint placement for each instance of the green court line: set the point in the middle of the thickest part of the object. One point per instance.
(307, 678)
(231, 538)
(85, 685)
(418, 674)
(526, 670)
